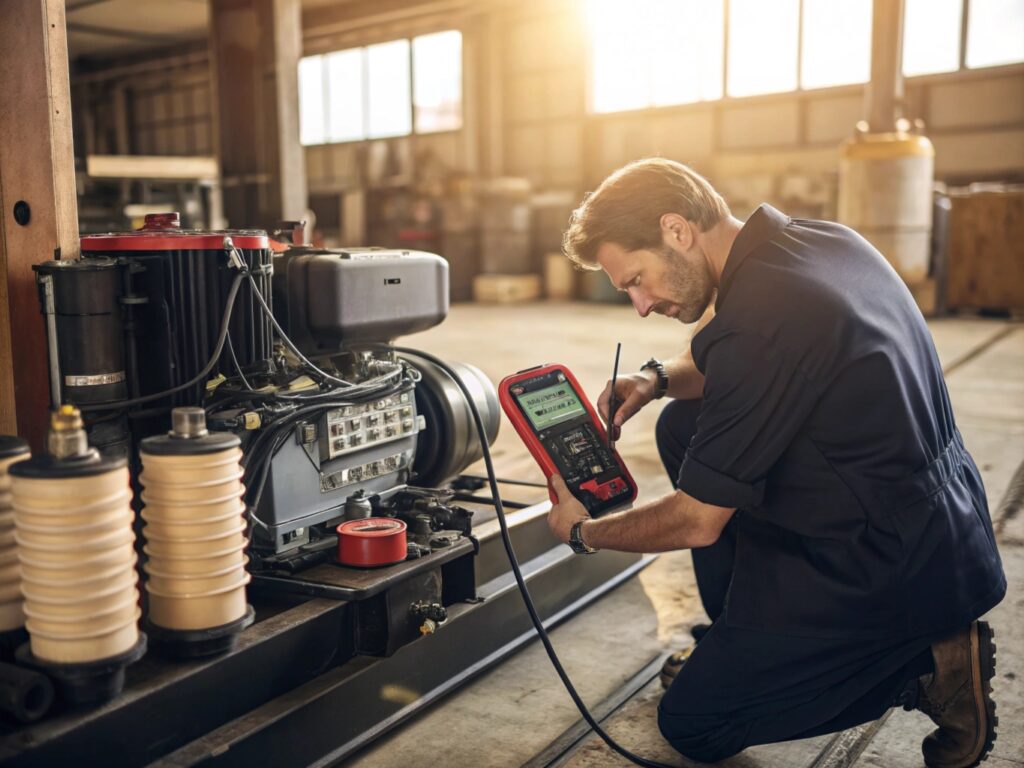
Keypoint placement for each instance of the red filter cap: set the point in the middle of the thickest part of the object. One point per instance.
(170, 220)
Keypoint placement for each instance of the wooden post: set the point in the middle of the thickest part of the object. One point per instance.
(884, 94)
(37, 196)
(255, 47)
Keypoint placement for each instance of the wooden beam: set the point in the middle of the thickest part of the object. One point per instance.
(174, 167)
(255, 47)
(37, 169)
(358, 14)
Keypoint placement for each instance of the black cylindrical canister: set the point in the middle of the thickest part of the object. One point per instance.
(80, 299)
(176, 296)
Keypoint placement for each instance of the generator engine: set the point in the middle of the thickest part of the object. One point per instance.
(293, 352)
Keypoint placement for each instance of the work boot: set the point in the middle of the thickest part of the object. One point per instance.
(958, 699)
(675, 662)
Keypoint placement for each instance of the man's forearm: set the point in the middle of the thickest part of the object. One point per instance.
(676, 521)
(685, 382)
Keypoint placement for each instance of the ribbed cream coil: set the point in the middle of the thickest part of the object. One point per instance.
(195, 539)
(12, 614)
(75, 548)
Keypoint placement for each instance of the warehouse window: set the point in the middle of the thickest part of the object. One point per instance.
(661, 52)
(343, 96)
(931, 36)
(640, 60)
(312, 126)
(389, 111)
(995, 32)
(836, 43)
(763, 43)
(933, 30)
(437, 81)
(374, 93)
(653, 53)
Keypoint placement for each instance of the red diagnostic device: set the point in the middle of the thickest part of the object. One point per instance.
(559, 425)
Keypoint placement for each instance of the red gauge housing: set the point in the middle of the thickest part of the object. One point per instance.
(563, 432)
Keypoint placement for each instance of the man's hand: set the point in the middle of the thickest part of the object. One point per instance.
(632, 392)
(566, 513)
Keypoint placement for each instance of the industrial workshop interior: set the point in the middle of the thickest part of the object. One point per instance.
(512, 384)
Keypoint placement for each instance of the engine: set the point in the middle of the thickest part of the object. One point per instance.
(293, 351)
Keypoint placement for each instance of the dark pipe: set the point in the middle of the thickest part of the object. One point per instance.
(24, 695)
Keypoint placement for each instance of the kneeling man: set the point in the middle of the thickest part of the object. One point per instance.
(840, 532)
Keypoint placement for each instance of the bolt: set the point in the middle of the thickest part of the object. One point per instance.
(188, 422)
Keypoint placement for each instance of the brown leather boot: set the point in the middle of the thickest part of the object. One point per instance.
(674, 663)
(958, 699)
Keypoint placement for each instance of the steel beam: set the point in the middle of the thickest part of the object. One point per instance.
(349, 707)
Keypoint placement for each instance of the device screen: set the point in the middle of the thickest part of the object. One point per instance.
(551, 405)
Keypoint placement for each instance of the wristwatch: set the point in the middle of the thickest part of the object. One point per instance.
(576, 540)
(661, 383)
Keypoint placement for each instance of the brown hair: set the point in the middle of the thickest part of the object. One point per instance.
(627, 208)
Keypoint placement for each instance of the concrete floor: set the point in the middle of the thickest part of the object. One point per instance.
(512, 713)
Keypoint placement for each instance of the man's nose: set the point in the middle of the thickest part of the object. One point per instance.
(641, 303)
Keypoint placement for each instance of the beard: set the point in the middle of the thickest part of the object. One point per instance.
(688, 280)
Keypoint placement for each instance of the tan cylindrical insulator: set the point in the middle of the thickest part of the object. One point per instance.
(12, 615)
(195, 526)
(74, 523)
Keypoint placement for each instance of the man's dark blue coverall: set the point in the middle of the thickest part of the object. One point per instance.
(862, 532)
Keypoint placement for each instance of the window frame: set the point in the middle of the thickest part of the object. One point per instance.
(362, 48)
(800, 91)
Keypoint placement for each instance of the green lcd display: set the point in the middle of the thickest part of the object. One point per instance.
(551, 405)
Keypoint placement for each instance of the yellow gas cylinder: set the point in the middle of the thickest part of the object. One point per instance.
(885, 193)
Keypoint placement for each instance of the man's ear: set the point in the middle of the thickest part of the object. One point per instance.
(676, 232)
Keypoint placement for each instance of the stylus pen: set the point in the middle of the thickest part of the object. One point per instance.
(613, 402)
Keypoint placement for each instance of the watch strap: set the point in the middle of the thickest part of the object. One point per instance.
(661, 381)
(576, 539)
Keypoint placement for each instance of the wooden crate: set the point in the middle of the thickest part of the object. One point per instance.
(506, 289)
(559, 277)
(985, 268)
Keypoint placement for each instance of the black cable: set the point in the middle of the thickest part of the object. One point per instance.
(225, 325)
(506, 481)
(368, 385)
(520, 581)
(488, 500)
(234, 362)
(284, 337)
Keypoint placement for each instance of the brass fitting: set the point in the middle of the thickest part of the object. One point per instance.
(66, 438)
